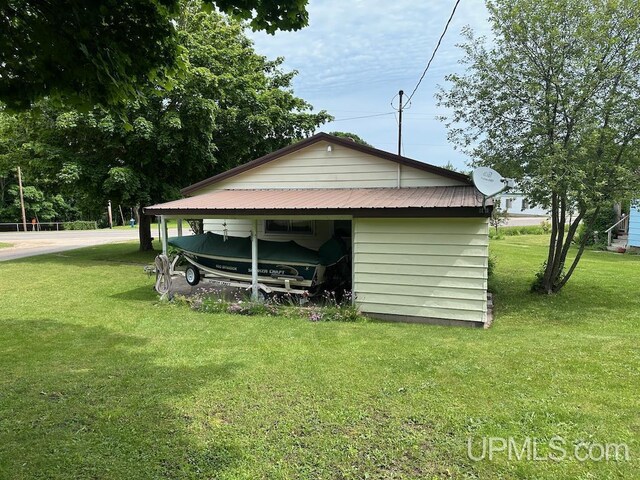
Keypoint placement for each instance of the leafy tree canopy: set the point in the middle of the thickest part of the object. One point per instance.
(555, 103)
(49, 192)
(352, 136)
(102, 52)
(230, 105)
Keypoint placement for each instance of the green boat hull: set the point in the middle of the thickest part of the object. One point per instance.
(277, 261)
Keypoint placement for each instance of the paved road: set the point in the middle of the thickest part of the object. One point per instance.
(27, 244)
(521, 221)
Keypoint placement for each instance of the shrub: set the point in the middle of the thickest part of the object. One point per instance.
(211, 305)
(491, 269)
(339, 313)
(264, 309)
(215, 301)
(518, 230)
(537, 286)
(597, 236)
(80, 225)
(328, 309)
(546, 226)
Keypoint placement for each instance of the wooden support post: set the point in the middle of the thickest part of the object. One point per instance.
(163, 233)
(353, 261)
(24, 216)
(109, 215)
(179, 227)
(254, 261)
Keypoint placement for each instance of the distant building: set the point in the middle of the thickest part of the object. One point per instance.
(517, 204)
(634, 224)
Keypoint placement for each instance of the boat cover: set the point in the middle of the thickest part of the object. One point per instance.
(240, 247)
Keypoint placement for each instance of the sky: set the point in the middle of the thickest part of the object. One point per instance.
(355, 55)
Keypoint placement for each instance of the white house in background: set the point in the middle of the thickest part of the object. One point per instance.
(418, 234)
(516, 204)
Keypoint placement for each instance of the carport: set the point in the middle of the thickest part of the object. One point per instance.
(419, 252)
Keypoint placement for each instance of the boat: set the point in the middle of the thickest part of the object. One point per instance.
(281, 264)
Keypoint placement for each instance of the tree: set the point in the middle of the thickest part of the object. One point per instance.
(499, 216)
(37, 205)
(453, 168)
(231, 105)
(554, 102)
(351, 136)
(102, 52)
(44, 193)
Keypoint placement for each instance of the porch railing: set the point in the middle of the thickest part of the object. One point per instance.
(622, 224)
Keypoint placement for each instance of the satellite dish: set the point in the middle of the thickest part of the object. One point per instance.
(489, 182)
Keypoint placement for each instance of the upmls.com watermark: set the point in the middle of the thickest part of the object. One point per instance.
(555, 449)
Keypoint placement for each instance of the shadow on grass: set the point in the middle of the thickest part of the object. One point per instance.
(145, 293)
(84, 402)
(115, 253)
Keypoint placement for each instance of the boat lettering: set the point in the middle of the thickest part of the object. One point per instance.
(226, 267)
(269, 271)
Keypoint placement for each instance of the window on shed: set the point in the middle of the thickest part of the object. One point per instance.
(525, 204)
(299, 227)
(509, 203)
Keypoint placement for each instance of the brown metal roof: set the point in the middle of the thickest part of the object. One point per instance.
(345, 142)
(422, 201)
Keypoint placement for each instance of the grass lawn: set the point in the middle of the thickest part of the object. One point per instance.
(99, 381)
(5, 245)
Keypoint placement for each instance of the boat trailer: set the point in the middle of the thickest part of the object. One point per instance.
(166, 269)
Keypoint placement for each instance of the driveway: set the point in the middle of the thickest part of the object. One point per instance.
(27, 244)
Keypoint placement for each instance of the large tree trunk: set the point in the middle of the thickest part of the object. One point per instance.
(144, 231)
(554, 277)
(197, 226)
(546, 283)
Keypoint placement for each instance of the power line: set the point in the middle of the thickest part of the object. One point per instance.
(435, 50)
(364, 116)
(363, 112)
(416, 144)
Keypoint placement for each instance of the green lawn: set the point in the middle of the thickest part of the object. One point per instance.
(5, 245)
(99, 381)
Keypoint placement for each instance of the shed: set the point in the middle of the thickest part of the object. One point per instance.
(418, 232)
(634, 224)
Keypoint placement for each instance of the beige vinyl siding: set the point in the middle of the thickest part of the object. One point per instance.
(417, 267)
(315, 167)
(235, 227)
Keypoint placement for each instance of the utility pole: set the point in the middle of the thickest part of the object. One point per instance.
(24, 216)
(400, 94)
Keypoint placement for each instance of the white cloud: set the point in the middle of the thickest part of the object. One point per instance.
(355, 55)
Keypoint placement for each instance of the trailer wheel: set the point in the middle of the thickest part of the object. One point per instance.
(192, 275)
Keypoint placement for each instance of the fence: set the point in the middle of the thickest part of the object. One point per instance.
(41, 226)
